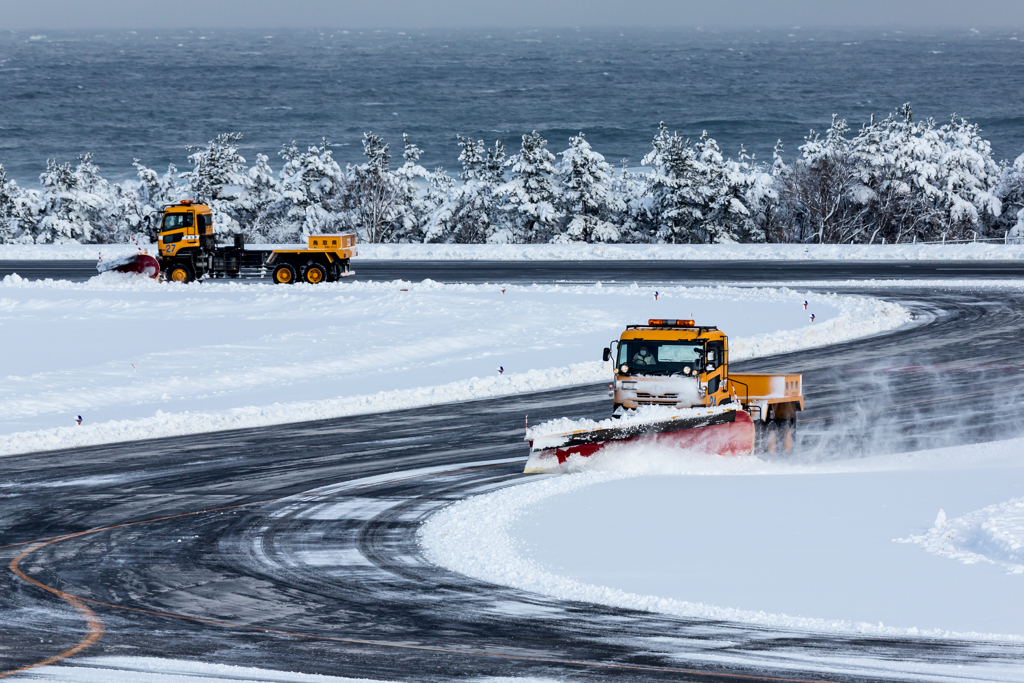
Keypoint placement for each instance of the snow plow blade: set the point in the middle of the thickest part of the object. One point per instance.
(725, 430)
(142, 264)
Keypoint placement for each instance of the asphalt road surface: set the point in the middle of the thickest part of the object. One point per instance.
(294, 547)
(608, 271)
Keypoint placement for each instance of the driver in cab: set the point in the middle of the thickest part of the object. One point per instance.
(644, 357)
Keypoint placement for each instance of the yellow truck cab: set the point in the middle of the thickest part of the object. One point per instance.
(678, 363)
(188, 250)
(182, 227)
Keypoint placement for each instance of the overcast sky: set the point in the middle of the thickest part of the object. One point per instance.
(892, 14)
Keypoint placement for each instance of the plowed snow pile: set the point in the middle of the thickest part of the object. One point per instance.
(139, 359)
(843, 547)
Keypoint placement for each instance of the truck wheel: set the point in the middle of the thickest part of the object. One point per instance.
(180, 272)
(315, 274)
(284, 274)
(771, 437)
(788, 435)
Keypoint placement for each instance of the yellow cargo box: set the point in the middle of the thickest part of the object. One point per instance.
(332, 242)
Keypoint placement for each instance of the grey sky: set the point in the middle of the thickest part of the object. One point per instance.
(893, 14)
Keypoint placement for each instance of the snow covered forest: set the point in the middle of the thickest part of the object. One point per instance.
(894, 180)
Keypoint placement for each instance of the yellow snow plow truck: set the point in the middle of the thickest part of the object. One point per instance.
(672, 387)
(188, 250)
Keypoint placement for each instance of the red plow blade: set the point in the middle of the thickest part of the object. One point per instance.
(721, 431)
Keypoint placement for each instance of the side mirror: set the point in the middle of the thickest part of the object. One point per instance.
(711, 356)
(607, 355)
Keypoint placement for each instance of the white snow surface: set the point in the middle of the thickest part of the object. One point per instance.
(583, 252)
(140, 359)
(994, 534)
(830, 546)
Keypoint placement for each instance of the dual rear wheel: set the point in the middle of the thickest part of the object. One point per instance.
(776, 436)
(286, 274)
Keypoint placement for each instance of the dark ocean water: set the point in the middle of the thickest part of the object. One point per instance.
(149, 94)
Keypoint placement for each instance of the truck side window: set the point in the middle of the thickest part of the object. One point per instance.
(718, 348)
(713, 384)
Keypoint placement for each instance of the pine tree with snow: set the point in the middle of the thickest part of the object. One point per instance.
(674, 187)
(469, 213)
(1010, 193)
(313, 188)
(587, 199)
(63, 216)
(415, 202)
(9, 192)
(374, 197)
(530, 195)
(260, 207)
(218, 177)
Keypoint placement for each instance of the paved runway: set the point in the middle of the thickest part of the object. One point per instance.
(274, 547)
(609, 271)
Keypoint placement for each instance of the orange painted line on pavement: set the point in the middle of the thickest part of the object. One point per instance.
(94, 627)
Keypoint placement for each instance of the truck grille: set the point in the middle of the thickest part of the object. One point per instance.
(641, 394)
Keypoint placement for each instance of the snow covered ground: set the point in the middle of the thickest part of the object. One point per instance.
(586, 252)
(140, 359)
(928, 543)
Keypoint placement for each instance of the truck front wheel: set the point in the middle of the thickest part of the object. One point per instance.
(284, 274)
(180, 272)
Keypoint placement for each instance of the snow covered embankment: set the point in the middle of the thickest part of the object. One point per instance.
(790, 546)
(994, 534)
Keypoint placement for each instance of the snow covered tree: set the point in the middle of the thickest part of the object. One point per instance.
(259, 209)
(530, 195)
(416, 203)
(217, 178)
(470, 213)
(65, 212)
(822, 192)
(1011, 195)
(673, 185)
(9, 192)
(373, 196)
(313, 187)
(587, 199)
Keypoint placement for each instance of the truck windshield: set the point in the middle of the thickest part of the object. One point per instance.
(658, 358)
(174, 221)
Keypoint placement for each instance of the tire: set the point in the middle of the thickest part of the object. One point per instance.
(285, 274)
(788, 435)
(315, 274)
(772, 438)
(180, 272)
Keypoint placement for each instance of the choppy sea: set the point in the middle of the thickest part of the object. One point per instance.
(149, 94)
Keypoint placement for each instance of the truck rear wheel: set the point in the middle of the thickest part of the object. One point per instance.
(180, 272)
(284, 274)
(315, 274)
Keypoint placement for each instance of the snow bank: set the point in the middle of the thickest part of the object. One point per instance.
(139, 359)
(994, 534)
(587, 252)
(739, 539)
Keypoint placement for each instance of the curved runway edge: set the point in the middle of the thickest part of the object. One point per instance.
(343, 563)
